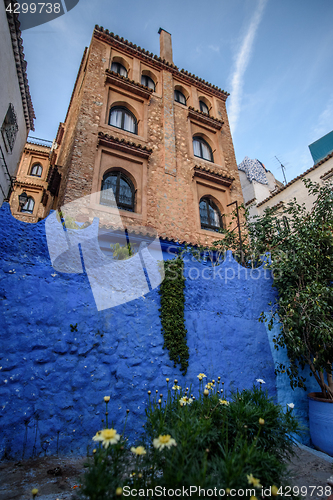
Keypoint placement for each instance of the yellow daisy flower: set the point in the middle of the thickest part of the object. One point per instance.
(252, 480)
(164, 441)
(139, 450)
(107, 436)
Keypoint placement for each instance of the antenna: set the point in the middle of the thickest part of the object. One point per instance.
(283, 169)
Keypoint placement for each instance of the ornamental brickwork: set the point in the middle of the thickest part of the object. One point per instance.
(158, 158)
(32, 179)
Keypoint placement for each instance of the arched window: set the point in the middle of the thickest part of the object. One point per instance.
(202, 149)
(119, 68)
(121, 117)
(148, 82)
(36, 170)
(123, 191)
(210, 216)
(179, 97)
(204, 107)
(29, 206)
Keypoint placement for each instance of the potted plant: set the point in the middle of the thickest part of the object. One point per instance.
(301, 246)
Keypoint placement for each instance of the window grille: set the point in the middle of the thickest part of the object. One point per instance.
(122, 188)
(210, 216)
(9, 128)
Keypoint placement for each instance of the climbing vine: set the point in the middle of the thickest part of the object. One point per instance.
(172, 313)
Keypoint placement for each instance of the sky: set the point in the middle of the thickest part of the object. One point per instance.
(274, 57)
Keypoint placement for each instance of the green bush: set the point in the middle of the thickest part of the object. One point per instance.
(213, 442)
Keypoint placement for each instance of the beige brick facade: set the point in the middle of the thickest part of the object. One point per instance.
(31, 178)
(159, 160)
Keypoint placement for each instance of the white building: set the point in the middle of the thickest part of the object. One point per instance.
(261, 190)
(257, 182)
(16, 110)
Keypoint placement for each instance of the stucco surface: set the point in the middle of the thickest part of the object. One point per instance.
(60, 355)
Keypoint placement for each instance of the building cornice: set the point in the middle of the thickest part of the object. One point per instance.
(124, 146)
(127, 84)
(329, 173)
(250, 202)
(143, 232)
(118, 42)
(213, 175)
(199, 116)
(21, 66)
(45, 151)
(30, 184)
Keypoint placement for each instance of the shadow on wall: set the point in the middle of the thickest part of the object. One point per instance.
(61, 355)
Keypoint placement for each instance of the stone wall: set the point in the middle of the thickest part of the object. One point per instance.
(60, 356)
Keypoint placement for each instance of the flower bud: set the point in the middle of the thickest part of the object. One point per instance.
(261, 421)
(119, 491)
(149, 392)
(167, 379)
(206, 392)
(106, 399)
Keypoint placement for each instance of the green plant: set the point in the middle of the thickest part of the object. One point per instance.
(172, 312)
(69, 222)
(301, 246)
(122, 252)
(225, 445)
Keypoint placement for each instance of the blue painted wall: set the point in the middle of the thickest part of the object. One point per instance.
(53, 379)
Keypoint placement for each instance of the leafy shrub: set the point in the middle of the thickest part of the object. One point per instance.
(212, 442)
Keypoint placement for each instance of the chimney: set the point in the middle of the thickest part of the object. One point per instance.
(165, 45)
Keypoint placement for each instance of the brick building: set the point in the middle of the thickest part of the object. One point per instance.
(158, 136)
(32, 179)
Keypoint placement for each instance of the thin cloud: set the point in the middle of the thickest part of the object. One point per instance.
(214, 48)
(242, 61)
(325, 121)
